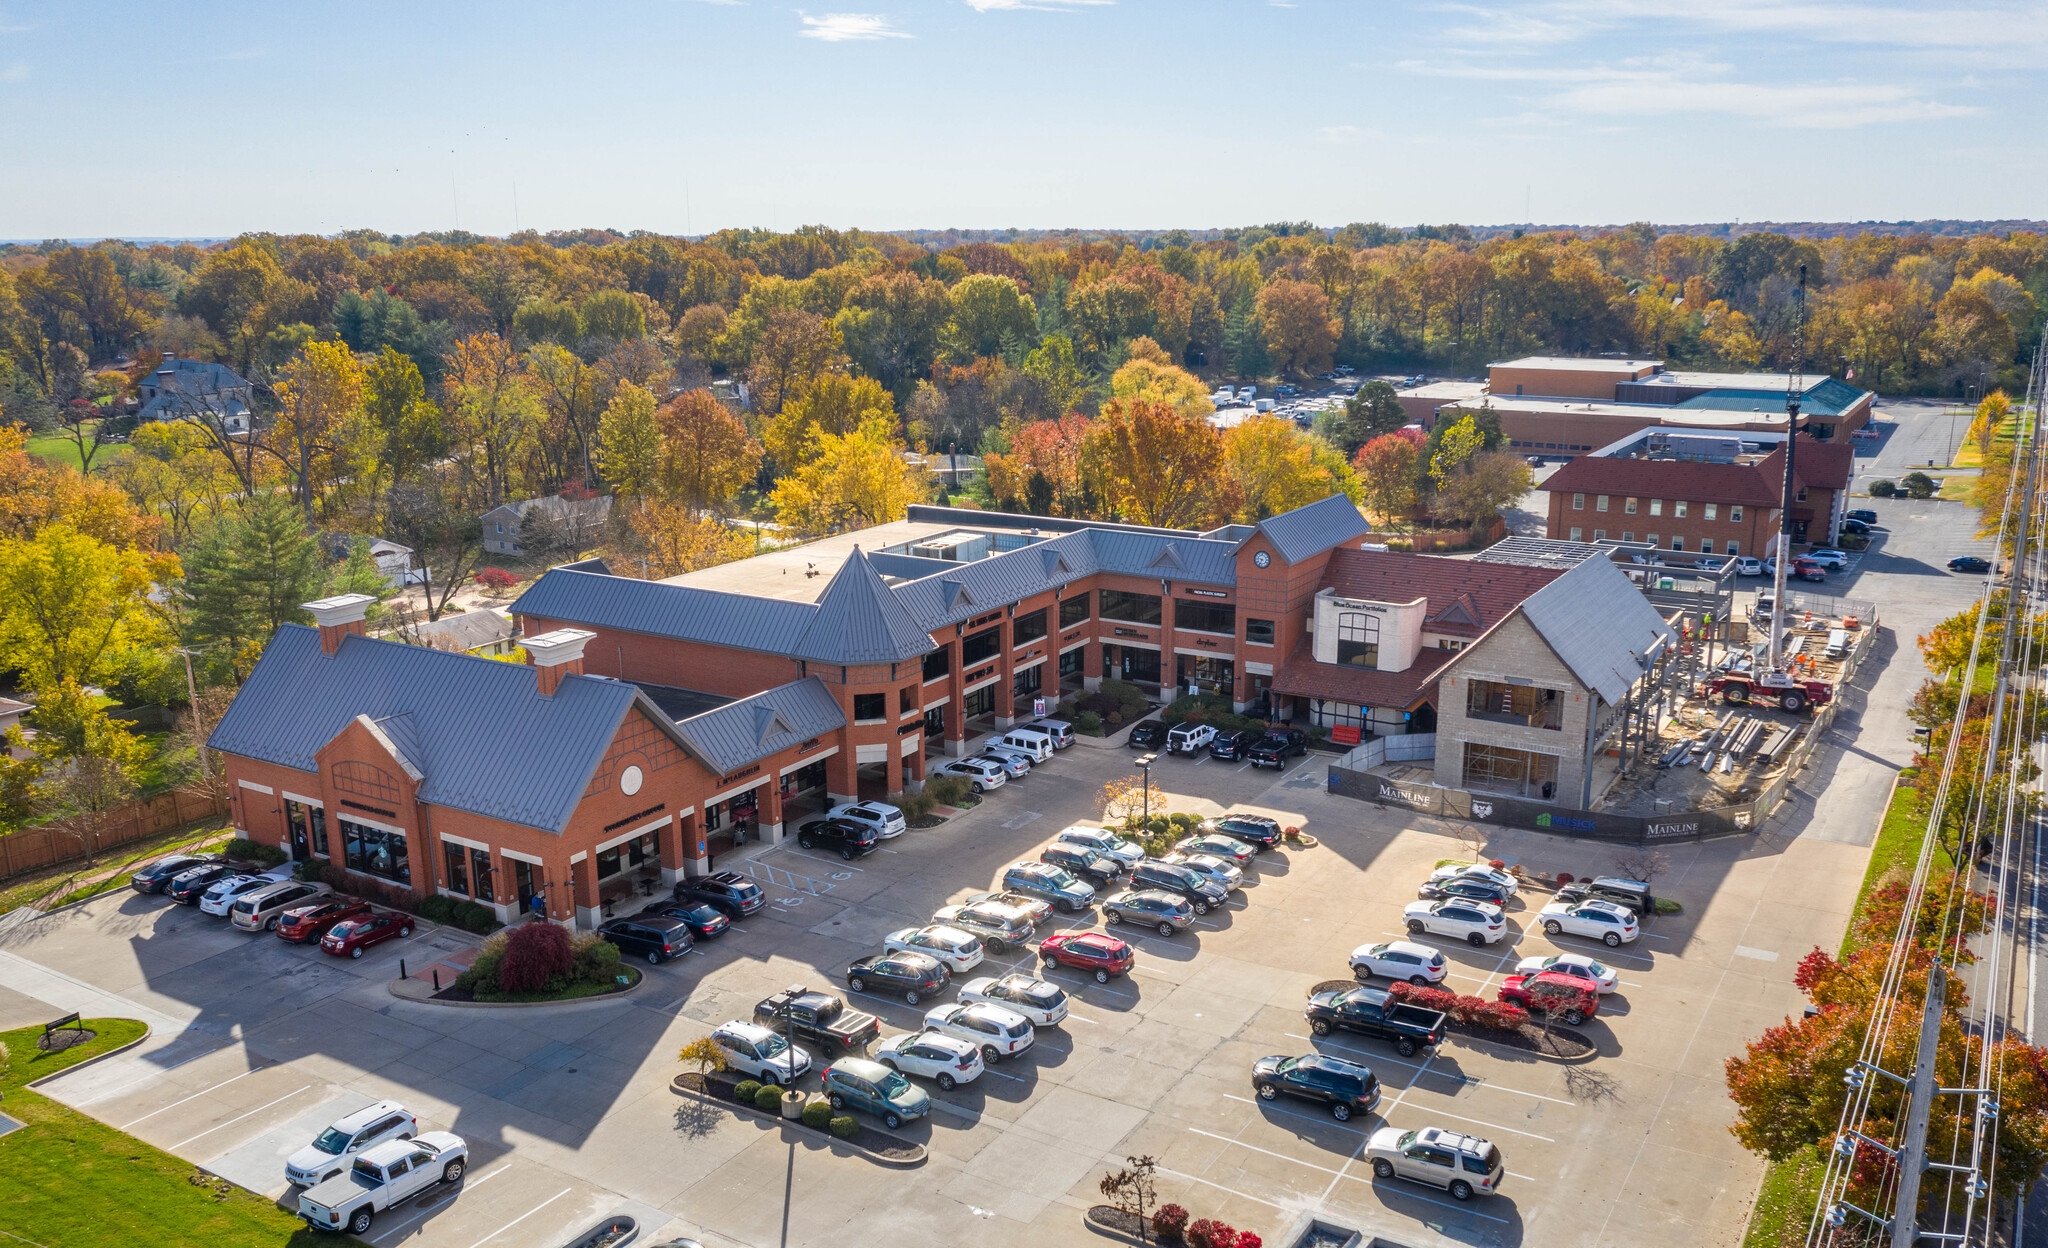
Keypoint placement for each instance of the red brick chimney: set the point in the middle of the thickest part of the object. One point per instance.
(338, 617)
(557, 655)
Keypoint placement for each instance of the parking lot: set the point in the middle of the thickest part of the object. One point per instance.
(568, 1114)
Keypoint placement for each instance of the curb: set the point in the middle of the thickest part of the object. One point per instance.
(1110, 1232)
(94, 1060)
(413, 990)
(1529, 1053)
(675, 1086)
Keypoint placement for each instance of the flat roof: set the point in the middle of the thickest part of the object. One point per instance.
(1446, 390)
(1567, 363)
(1656, 413)
(801, 573)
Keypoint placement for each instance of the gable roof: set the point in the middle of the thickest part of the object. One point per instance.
(1302, 676)
(860, 620)
(1296, 535)
(478, 732)
(1466, 596)
(686, 613)
(1599, 625)
(740, 732)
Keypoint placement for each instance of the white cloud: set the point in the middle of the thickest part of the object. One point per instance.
(845, 27)
(1042, 6)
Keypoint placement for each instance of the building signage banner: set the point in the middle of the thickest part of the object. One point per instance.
(1515, 812)
(1414, 797)
(1041, 706)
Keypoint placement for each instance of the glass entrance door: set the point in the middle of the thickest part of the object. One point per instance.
(527, 883)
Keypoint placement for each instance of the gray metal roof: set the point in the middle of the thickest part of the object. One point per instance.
(1313, 529)
(860, 620)
(749, 729)
(477, 730)
(1539, 552)
(1600, 625)
(741, 621)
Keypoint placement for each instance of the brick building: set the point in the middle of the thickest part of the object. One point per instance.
(1722, 498)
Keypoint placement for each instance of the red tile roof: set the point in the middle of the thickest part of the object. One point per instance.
(1823, 465)
(1466, 597)
(1302, 676)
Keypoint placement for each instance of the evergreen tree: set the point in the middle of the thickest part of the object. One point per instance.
(249, 573)
(1244, 339)
(358, 573)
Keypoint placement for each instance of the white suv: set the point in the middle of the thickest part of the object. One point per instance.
(946, 1060)
(996, 1030)
(958, 951)
(982, 773)
(1400, 959)
(335, 1149)
(1477, 922)
(886, 820)
(761, 1053)
(1601, 920)
(1189, 738)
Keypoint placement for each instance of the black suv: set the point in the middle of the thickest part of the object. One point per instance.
(1256, 831)
(1464, 888)
(1630, 894)
(652, 936)
(1149, 735)
(157, 876)
(1200, 891)
(1346, 1087)
(1231, 744)
(1276, 747)
(730, 891)
(189, 885)
(1081, 861)
(851, 839)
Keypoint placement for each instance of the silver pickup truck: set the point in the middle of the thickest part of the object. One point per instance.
(383, 1176)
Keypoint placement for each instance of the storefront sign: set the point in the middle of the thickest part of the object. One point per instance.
(1209, 593)
(655, 809)
(374, 810)
(1072, 634)
(741, 774)
(980, 620)
(811, 744)
(1210, 642)
(971, 677)
(913, 726)
(1131, 632)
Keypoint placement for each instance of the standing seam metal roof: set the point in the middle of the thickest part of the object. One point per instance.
(1313, 529)
(1599, 624)
(741, 732)
(860, 620)
(479, 731)
(684, 612)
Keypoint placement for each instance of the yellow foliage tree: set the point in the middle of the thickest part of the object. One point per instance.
(67, 599)
(1275, 467)
(1160, 467)
(836, 404)
(321, 433)
(852, 480)
(1156, 381)
(678, 539)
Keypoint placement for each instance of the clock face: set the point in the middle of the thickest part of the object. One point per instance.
(1262, 558)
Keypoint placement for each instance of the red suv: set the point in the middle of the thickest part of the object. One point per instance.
(304, 924)
(351, 938)
(1567, 996)
(1087, 951)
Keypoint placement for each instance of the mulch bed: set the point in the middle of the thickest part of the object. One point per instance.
(1121, 1222)
(452, 993)
(720, 1084)
(1563, 1043)
(64, 1038)
(927, 821)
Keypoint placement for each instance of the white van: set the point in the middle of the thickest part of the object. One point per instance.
(1030, 742)
(1061, 732)
(1263, 405)
(1838, 643)
(1246, 394)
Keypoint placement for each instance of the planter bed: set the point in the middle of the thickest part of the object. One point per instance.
(880, 1145)
(1563, 1044)
(574, 992)
(1114, 1221)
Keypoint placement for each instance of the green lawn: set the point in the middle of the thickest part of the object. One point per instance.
(67, 1181)
(1898, 844)
(37, 885)
(1784, 1204)
(57, 447)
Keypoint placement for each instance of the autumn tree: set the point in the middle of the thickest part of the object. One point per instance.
(673, 538)
(1160, 467)
(1055, 451)
(1483, 486)
(850, 481)
(410, 429)
(795, 349)
(492, 414)
(1155, 381)
(990, 316)
(706, 453)
(573, 394)
(834, 404)
(1300, 332)
(1059, 376)
(632, 442)
(69, 599)
(1388, 470)
(321, 433)
(1274, 467)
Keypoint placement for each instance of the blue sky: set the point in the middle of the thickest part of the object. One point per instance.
(210, 118)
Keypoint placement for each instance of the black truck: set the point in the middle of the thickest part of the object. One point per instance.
(819, 1017)
(1371, 1012)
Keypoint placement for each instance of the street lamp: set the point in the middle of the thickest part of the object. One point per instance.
(1145, 762)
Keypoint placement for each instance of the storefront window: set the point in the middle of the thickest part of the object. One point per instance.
(1027, 627)
(938, 663)
(1259, 632)
(981, 645)
(318, 817)
(608, 864)
(480, 863)
(935, 721)
(1073, 661)
(1073, 610)
(375, 851)
(458, 866)
(1029, 680)
(1204, 617)
(1130, 608)
(981, 702)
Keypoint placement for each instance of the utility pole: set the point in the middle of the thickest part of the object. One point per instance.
(1919, 1107)
(192, 691)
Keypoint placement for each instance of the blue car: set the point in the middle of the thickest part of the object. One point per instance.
(861, 1084)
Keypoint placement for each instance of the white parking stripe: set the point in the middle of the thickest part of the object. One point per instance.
(472, 1183)
(237, 1118)
(1259, 1200)
(844, 866)
(1355, 1178)
(145, 1077)
(1467, 1080)
(521, 1218)
(195, 1096)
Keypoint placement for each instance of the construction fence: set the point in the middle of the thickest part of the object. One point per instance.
(1351, 777)
(83, 836)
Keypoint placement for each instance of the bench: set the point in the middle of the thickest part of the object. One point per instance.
(47, 1042)
(1344, 734)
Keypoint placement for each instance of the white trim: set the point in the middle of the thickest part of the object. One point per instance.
(1076, 645)
(260, 788)
(367, 822)
(464, 841)
(1203, 632)
(981, 684)
(1126, 641)
(578, 856)
(802, 763)
(290, 796)
(866, 754)
(943, 699)
(634, 835)
(1028, 664)
(709, 802)
(1258, 669)
(528, 859)
(1214, 654)
(913, 743)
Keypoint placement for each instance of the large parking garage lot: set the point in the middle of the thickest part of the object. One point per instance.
(567, 1110)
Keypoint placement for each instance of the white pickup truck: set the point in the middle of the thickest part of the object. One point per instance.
(383, 1177)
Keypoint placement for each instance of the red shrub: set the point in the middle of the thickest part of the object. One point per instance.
(534, 953)
(1814, 968)
(1171, 1221)
(496, 580)
(1209, 1233)
(1426, 997)
(1466, 1009)
(1245, 1239)
(1564, 878)
(1503, 1016)
(1498, 864)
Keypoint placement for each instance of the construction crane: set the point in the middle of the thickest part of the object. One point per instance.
(1794, 392)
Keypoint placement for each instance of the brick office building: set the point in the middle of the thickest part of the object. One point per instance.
(1724, 501)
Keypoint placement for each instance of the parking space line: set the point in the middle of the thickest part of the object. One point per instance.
(1295, 1113)
(158, 1073)
(237, 1118)
(1080, 1018)
(459, 1190)
(1355, 1178)
(1219, 1187)
(844, 866)
(1431, 1200)
(1495, 1125)
(521, 1218)
(195, 1096)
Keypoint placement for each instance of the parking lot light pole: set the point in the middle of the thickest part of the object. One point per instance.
(1145, 762)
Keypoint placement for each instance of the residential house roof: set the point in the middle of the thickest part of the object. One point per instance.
(469, 630)
(478, 733)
